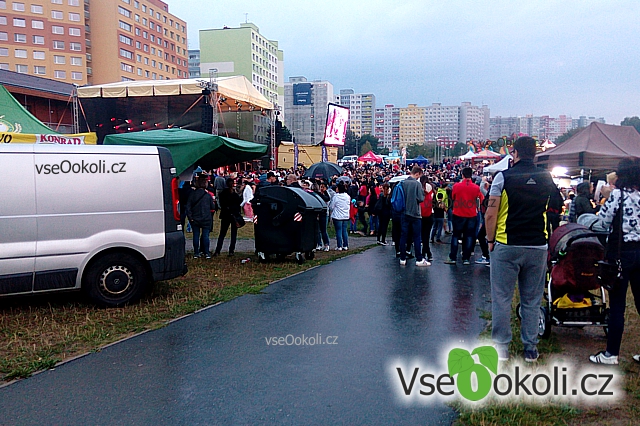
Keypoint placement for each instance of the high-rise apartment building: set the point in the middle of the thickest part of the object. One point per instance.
(305, 108)
(244, 51)
(442, 123)
(44, 38)
(194, 63)
(362, 108)
(474, 122)
(541, 127)
(412, 125)
(134, 40)
(92, 41)
(387, 127)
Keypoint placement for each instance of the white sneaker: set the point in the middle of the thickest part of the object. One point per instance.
(338, 248)
(319, 247)
(423, 262)
(602, 358)
(326, 248)
(403, 262)
(345, 248)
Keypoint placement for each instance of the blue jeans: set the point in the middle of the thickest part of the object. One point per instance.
(353, 225)
(200, 241)
(373, 223)
(341, 232)
(463, 228)
(528, 266)
(415, 224)
(436, 231)
(630, 260)
(450, 220)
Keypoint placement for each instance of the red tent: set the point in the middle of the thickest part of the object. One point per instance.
(486, 155)
(370, 157)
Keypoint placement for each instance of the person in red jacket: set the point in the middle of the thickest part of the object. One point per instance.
(426, 210)
(466, 198)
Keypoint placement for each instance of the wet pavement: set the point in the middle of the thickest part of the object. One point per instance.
(215, 367)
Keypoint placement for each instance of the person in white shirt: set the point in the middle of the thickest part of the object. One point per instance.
(247, 196)
(339, 207)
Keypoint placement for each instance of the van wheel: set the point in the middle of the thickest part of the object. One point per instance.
(115, 280)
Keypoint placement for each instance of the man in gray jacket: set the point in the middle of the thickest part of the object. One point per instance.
(412, 218)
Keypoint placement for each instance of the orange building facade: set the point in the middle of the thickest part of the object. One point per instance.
(135, 40)
(92, 41)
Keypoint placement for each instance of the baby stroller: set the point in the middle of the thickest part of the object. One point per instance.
(573, 294)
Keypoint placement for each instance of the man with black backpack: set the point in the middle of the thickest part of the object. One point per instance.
(406, 199)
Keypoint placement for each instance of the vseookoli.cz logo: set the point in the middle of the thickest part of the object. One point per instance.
(66, 166)
(474, 377)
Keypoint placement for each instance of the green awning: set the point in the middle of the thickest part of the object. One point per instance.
(190, 148)
(15, 118)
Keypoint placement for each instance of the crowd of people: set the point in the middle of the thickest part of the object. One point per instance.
(510, 215)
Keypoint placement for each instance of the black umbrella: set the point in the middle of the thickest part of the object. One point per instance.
(323, 170)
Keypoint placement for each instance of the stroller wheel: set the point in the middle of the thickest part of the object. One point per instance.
(544, 324)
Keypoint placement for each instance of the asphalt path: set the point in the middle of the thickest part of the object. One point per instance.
(216, 367)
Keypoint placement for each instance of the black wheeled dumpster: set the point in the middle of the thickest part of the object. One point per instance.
(286, 222)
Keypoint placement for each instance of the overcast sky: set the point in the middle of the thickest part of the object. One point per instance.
(519, 57)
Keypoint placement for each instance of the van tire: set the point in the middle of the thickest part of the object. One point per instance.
(115, 279)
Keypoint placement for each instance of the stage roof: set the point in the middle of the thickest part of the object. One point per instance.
(235, 88)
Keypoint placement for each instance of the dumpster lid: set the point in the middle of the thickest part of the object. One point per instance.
(309, 199)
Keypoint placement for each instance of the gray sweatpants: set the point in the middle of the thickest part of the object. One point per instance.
(527, 266)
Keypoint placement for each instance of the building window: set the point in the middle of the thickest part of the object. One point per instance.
(56, 14)
(76, 47)
(4, 51)
(124, 12)
(19, 22)
(20, 53)
(144, 21)
(140, 71)
(75, 75)
(55, 29)
(18, 7)
(20, 38)
(136, 4)
(4, 36)
(56, 1)
(144, 8)
(60, 74)
(3, 4)
(74, 2)
(74, 32)
(152, 25)
(22, 69)
(137, 31)
(153, 75)
(4, 66)
(75, 60)
(38, 25)
(58, 45)
(74, 17)
(145, 34)
(138, 45)
(38, 39)
(138, 58)
(145, 47)
(125, 26)
(39, 70)
(36, 9)
(3, 20)
(126, 54)
(137, 18)
(126, 1)
(126, 67)
(124, 39)
(152, 38)
(60, 60)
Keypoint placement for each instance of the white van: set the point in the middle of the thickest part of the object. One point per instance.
(348, 159)
(104, 219)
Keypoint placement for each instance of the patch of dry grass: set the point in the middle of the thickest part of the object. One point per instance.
(38, 332)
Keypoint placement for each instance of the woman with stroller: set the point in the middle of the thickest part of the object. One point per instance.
(627, 186)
